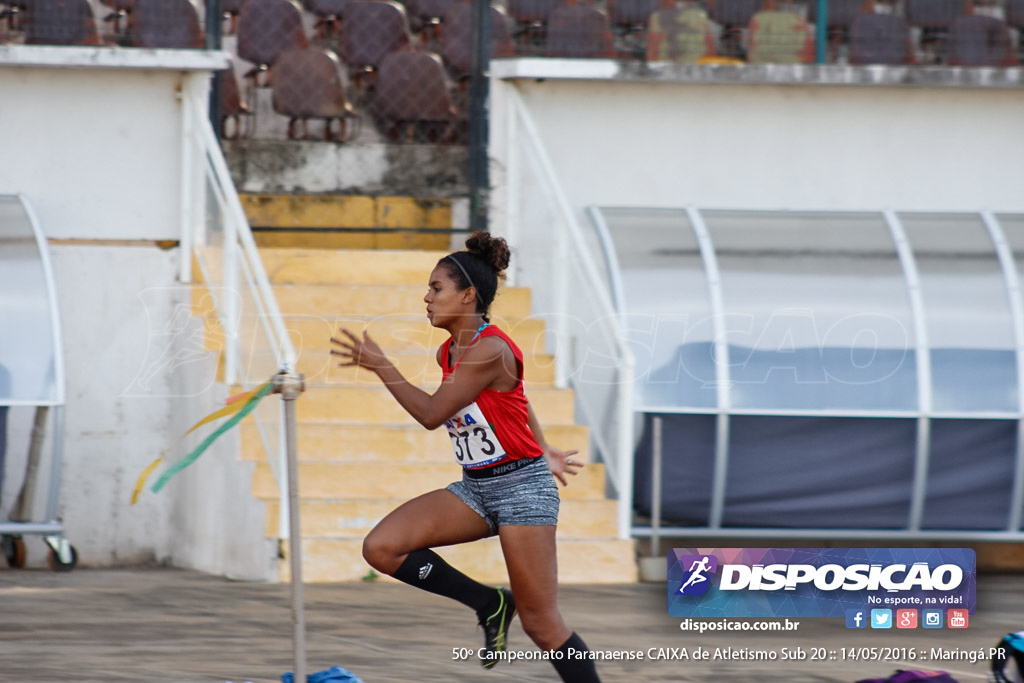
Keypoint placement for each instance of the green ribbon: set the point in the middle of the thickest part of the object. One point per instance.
(194, 455)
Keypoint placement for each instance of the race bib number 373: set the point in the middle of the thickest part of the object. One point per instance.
(473, 440)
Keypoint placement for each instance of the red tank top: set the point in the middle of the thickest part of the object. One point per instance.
(504, 433)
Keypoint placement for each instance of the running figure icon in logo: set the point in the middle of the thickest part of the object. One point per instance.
(699, 566)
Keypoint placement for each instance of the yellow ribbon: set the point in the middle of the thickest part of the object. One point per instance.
(235, 404)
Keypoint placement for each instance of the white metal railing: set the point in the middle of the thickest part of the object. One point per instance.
(556, 258)
(216, 233)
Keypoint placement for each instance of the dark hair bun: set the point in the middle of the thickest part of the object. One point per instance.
(493, 251)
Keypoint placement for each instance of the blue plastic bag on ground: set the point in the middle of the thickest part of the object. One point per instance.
(333, 675)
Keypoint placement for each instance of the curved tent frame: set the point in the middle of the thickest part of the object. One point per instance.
(33, 374)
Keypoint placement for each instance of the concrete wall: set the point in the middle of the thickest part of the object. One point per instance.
(95, 143)
(796, 138)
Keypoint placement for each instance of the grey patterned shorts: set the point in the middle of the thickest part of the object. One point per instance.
(526, 497)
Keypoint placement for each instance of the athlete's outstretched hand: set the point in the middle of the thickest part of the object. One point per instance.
(360, 352)
(561, 463)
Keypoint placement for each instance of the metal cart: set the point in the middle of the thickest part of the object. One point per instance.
(31, 376)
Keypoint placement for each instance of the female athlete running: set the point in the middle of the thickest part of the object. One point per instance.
(507, 486)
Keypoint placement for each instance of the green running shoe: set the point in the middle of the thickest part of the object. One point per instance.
(496, 627)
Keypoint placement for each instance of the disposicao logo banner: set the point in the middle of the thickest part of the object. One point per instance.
(817, 582)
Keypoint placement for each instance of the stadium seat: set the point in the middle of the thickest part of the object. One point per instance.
(684, 36)
(579, 31)
(880, 39)
(933, 17)
(370, 29)
(976, 40)
(60, 22)
(457, 38)
(779, 37)
(841, 15)
(265, 29)
(531, 23)
(733, 16)
(309, 84)
(1015, 19)
(412, 99)
(1015, 13)
(166, 23)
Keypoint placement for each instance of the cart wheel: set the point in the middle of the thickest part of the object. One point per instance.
(55, 563)
(16, 552)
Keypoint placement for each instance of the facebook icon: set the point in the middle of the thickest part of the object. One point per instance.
(855, 618)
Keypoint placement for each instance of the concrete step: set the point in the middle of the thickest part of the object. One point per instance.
(365, 404)
(350, 266)
(328, 222)
(354, 518)
(419, 368)
(380, 300)
(333, 442)
(580, 561)
(403, 333)
(396, 480)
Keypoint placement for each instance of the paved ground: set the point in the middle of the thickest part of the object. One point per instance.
(183, 626)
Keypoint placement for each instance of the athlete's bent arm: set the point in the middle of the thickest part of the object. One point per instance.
(480, 367)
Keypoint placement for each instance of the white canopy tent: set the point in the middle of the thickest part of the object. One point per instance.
(31, 375)
(824, 374)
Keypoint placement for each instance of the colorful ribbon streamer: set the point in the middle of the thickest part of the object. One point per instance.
(239, 406)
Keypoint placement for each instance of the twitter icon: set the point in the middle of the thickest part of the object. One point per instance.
(881, 618)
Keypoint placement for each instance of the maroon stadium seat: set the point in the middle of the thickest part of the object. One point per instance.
(309, 84)
(976, 40)
(413, 95)
(1015, 19)
(60, 22)
(267, 28)
(880, 39)
(166, 23)
(579, 31)
(457, 38)
(369, 31)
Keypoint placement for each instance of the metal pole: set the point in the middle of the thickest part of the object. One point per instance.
(656, 488)
(214, 41)
(821, 31)
(479, 177)
(290, 386)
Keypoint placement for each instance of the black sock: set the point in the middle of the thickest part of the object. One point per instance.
(427, 570)
(572, 666)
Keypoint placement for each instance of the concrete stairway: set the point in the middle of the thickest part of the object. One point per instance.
(361, 455)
